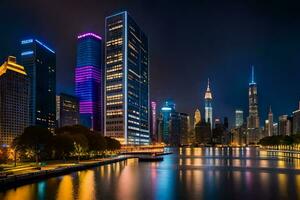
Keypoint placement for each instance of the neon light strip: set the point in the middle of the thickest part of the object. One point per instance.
(44, 46)
(26, 41)
(125, 78)
(25, 53)
(89, 34)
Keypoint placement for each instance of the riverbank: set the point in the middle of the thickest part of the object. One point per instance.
(47, 172)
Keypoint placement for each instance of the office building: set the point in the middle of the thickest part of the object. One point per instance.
(197, 117)
(40, 65)
(14, 101)
(88, 80)
(269, 127)
(284, 125)
(239, 118)
(127, 110)
(296, 121)
(67, 110)
(153, 122)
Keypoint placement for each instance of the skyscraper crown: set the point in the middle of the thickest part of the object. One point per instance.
(208, 94)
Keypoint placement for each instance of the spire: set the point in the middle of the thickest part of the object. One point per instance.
(270, 109)
(208, 89)
(252, 76)
(208, 94)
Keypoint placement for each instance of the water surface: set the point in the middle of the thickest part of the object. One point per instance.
(189, 173)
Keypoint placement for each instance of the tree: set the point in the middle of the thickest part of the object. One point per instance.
(112, 144)
(62, 145)
(35, 139)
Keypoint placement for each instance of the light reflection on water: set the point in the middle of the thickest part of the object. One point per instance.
(189, 173)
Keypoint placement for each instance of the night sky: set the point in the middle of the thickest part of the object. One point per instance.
(189, 42)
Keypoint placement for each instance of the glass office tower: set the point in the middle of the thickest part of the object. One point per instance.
(40, 64)
(88, 84)
(14, 101)
(126, 80)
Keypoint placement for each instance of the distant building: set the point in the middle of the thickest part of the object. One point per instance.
(153, 122)
(296, 121)
(197, 117)
(254, 134)
(239, 118)
(39, 62)
(275, 128)
(203, 133)
(88, 80)
(127, 103)
(67, 110)
(284, 125)
(208, 106)
(269, 127)
(14, 101)
(165, 121)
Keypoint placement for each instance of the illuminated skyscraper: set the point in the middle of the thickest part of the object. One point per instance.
(126, 80)
(284, 125)
(239, 118)
(253, 118)
(153, 122)
(14, 101)
(208, 105)
(40, 64)
(88, 85)
(197, 117)
(270, 123)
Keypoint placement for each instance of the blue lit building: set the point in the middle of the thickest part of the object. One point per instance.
(40, 65)
(165, 121)
(88, 80)
(126, 81)
(208, 106)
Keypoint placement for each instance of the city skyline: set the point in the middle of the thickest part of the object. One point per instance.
(265, 55)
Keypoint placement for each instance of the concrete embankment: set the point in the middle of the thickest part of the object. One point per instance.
(21, 179)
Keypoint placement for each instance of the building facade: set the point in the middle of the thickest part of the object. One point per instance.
(269, 126)
(197, 117)
(284, 125)
(254, 134)
(239, 118)
(39, 62)
(67, 110)
(296, 121)
(14, 101)
(208, 106)
(88, 80)
(153, 122)
(126, 81)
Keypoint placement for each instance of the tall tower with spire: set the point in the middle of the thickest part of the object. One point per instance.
(208, 105)
(253, 118)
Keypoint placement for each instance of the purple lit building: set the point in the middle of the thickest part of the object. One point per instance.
(88, 81)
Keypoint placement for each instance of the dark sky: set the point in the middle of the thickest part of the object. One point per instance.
(189, 42)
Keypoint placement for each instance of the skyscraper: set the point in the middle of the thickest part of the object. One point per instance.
(153, 122)
(126, 80)
(253, 131)
(14, 101)
(270, 123)
(296, 121)
(208, 105)
(88, 84)
(284, 125)
(253, 118)
(67, 110)
(40, 65)
(239, 118)
(197, 117)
